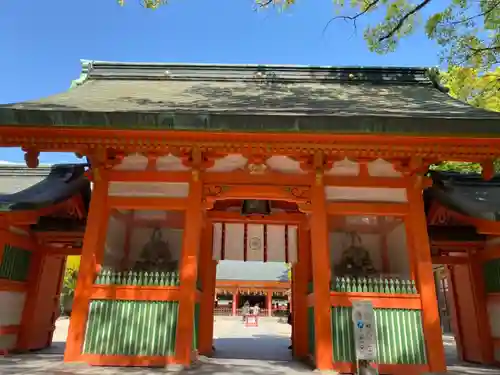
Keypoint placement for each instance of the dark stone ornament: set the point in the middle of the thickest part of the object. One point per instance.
(156, 255)
(356, 260)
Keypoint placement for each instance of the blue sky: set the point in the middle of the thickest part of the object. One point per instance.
(43, 41)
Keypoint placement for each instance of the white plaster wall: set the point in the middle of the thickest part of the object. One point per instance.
(397, 251)
(11, 307)
(115, 240)
(149, 189)
(7, 342)
(365, 194)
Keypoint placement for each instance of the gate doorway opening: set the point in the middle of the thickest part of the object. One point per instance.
(257, 288)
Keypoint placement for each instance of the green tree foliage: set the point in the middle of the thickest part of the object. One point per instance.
(466, 30)
(470, 86)
(479, 90)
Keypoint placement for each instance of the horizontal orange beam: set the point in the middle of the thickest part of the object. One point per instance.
(252, 284)
(148, 203)
(379, 300)
(13, 286)
(363, 208)
(135, 293)
(304, 139)
(450, 260)
(17, 240)
(126, 360)
(10, 330)
(65, 251)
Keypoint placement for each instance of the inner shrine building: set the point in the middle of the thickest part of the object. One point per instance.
(320, 167)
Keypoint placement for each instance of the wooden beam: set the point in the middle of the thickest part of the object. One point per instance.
(66, 251)
(363, 208)
(450, 260)
(379, 300)
(135, 293)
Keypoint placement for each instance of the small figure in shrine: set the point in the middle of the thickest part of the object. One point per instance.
(156, 255)
(356, 260)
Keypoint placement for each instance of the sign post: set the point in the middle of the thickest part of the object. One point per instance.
(365, 337)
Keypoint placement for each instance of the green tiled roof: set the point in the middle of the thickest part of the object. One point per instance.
(258, 98)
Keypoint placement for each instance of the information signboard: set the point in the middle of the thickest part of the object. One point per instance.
(365, 336)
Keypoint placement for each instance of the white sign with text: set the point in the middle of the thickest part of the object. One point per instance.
(365, 333)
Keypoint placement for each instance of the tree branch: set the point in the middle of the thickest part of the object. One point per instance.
(403, 19)
(369, 7)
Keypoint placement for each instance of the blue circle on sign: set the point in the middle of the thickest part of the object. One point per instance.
(360, 324)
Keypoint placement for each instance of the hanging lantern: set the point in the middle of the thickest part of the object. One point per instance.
(256, 207)
(356, 260)
(155, 255)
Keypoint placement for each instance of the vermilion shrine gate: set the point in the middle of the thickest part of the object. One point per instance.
(346, 148)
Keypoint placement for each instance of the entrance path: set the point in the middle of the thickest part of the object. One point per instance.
(240, 351)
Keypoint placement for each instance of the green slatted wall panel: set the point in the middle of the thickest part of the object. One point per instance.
(310, 322)
(196, 325)
(15, 264)
(145, 328)
(400, 338)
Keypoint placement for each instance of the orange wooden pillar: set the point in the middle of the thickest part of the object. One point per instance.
(300, 275)
(321, 275)
(189, 271)
(478, 287)
(418, 239)
(93, 247)
(207, 269)
(235, 303)
(29, 310)
(269, 302)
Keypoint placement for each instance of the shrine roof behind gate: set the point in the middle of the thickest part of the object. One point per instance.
(256, 98)
(252, 271)
(23, 188)
(468, 194)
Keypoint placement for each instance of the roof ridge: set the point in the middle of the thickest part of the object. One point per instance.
(252, 72)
